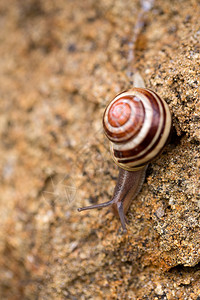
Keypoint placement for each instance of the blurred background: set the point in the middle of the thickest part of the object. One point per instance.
(61, 62)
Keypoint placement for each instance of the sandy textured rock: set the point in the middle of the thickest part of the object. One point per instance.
(61, 62)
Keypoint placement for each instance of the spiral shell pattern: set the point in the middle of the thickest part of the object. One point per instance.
(138, 124)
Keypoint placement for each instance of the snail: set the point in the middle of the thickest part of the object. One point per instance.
(138, 124)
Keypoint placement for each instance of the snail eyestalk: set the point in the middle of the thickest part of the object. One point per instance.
(101, 205)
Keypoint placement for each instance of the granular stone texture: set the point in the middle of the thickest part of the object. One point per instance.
(61, 63)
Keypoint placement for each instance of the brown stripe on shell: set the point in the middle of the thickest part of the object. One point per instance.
(148, 138)
(119, 113)
(131, 131)
(155, 143)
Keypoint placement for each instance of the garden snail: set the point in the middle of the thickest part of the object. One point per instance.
(138, 124)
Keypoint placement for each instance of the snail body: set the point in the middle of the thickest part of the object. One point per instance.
(138, 124)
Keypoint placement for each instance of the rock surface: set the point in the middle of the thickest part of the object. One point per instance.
(61, 62)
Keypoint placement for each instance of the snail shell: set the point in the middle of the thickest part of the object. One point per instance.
(138, 124)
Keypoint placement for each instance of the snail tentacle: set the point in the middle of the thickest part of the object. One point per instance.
(100, 205)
